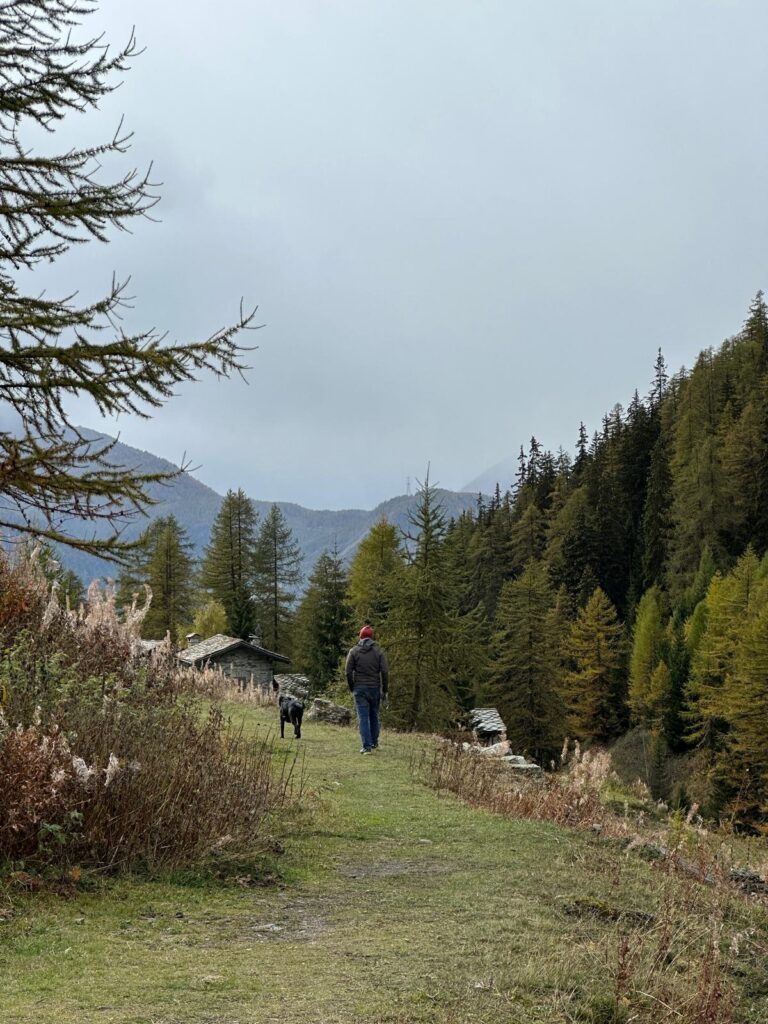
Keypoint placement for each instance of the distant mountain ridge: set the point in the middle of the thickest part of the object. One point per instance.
(196, 505)
(502, 473)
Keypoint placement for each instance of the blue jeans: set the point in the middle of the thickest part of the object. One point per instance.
(367, 701)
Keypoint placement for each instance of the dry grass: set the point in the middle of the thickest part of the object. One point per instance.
(393, 905)
(571, 798)
(105, 757)
(678, 963)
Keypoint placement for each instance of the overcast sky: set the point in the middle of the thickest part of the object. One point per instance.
(463, 222)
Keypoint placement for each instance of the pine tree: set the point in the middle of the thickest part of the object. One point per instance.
(660, 381)
(524, 665)
(278, 575)
(53, 348)
(699, 501)
(594, 688)
(656, 521)
(69, 585)
(71, 588)
(431, 649)
(163, 561)
(323, 622)
(755, 327)
(490, 556)
(376, 561)
(609, 512)
(572, 543)
(582, 452)
(229, 562)
(458, 556)
(527, 536)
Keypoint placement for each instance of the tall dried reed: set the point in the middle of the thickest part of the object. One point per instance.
(570, 797)
(106, 757)
(675, 960)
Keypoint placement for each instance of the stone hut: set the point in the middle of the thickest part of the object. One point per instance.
(239, 659)
(487, 726)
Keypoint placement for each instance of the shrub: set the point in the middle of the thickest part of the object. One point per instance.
(570, 797)
(109, 761)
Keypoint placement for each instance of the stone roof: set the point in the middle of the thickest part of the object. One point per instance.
(486, 720)
(148, 646)
(293, 682)
(221, 644)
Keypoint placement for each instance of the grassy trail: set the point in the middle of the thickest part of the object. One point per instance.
(396, 906)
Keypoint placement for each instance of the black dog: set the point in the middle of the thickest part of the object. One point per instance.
(291, 710)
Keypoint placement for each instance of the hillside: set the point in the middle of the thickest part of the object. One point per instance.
(501, 473)
(195, 505)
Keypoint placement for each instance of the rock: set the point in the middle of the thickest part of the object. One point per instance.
(495, 750)
(519, 763)
(749, 881)
(325, 711)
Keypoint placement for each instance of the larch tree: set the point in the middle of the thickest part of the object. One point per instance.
(229, 562)
(323, 622)
(524, 680)
(53, 348)
(278, 576)
(594, 686)
(426, 641)
(372, 569)
(745, 765)
(209, 620)
(648, 641)
(732, 601)
(163, 562)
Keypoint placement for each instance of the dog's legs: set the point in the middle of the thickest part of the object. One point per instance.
(282, 728)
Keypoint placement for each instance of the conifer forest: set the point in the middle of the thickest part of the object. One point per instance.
(618, 596)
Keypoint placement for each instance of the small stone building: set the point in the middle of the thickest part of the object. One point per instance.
(243, 660)
(487, 726)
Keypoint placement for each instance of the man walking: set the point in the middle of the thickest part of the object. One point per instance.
(368, 679)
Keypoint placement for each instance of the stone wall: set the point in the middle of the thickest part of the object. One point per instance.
(244, 665)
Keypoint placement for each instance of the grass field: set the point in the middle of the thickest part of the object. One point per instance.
(388, 904)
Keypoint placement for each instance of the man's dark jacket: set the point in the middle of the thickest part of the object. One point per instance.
(367, 666)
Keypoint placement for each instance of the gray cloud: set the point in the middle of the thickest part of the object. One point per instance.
(463, 222)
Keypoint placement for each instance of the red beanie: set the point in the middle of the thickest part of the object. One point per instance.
(366, 633)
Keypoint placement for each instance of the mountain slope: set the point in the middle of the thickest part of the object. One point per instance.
(502, 473)
(195, 505)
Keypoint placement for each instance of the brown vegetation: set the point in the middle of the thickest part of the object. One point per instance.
(675, 961)
(106, 756)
